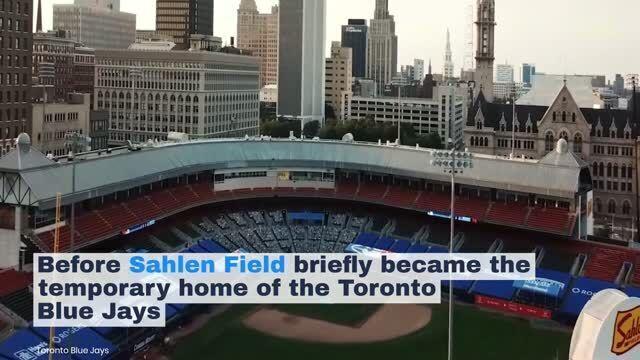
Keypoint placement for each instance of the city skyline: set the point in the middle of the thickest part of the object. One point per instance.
(554, 49)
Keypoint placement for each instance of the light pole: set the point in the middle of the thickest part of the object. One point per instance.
(452, 162)
(634, 110)
(513, 120)
(399, 111)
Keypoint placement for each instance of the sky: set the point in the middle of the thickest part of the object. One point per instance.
(558, 36)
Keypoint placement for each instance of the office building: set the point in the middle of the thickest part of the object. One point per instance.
(354, 36)
(15, 71)
(418, 69)
(202, 93)
(54, 122)
(339, 79)
(528, 70)
(504, 73)
(183, 18)
(96, 24)
(442, 115)
(258, 33)
(618, 85)
(507, 90)
(301, 60)
(382, 49)
(630, 79)
(485, 24)
(448, 60)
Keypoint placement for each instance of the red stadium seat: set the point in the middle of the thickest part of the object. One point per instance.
(475, 208)
(605, 262)
(13, 281)
(508, 213)
(371, 191)
(118, 216)
(165, 201)
(184, 195)
(346, 189)
(434, 201)
(401, 196)
(550, 219)
(143, 208)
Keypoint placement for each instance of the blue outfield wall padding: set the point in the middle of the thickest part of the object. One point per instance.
(79, 337)
(197, 249)
(632, 291)
(367, 239)
(495, 288)
(400, 246)
(417, 249)
(581, 291)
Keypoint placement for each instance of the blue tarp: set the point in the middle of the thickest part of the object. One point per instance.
(384, 243)
(496, 289)
(78, 337)
(632, 291)
(400, 246)
(549, 283)
(305, 216)
(580, 292)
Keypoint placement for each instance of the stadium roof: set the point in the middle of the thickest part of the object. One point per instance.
(95, 176)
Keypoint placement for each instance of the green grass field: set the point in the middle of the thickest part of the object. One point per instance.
(478, 335)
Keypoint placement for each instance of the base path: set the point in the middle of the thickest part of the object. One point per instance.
(388, 323)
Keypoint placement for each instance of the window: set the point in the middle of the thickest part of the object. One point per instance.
(577, 144)
(595, 169)
(565, 136)
(612, 206)
(598, 205)
(564, 116)
(554, 116)
(549, 141)
(573, 117)
(626, 208)
(609, 170)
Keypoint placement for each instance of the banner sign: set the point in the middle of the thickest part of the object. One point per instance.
(541, 286)
(512, 307)
(138, 227)
(442, 215)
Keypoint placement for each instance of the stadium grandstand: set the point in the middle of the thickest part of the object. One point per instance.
(200, 196)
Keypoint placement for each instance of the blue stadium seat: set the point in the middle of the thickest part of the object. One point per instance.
(401, 246)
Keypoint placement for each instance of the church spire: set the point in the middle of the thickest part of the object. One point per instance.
(448, 59)
(39, 17)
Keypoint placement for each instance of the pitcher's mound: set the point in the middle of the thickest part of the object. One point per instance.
(388, 323)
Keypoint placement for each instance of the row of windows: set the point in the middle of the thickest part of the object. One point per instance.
(479, 141)
(14, 6)
(9, 42)
(11, 25)
(11, 61)
(61, 117)
(612, 186)
(612, 207)
(625, 171)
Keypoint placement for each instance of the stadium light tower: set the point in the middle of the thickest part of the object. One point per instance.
(452, 162)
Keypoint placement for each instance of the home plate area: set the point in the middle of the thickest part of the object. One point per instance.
(388, 322)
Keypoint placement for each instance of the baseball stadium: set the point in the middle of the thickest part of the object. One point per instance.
(264, 195)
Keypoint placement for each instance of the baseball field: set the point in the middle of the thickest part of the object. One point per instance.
(250, 332)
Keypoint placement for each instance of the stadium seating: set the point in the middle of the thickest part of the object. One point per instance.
(551, 219)
(92, 226)
(184, 194)
(346, 189)
(118, 216)
(433, 201)
(143, 208)
(605, 262)
(508, 213)
(371, 191)
(19, 302)
(203, 191)
(165, 201)
(475, 208)
(12, 281)
(400, 196)
(46, 239)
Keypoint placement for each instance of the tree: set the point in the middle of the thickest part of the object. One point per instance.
(329, 112)
(311, 129)
(280, 128)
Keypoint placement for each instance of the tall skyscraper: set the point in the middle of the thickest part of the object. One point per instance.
(485, 52)
(528, 70)
(418, 69)
(96, 23)
(448, 61)
(258, 33)
(382, 51)
(504, 73)
(183, 18)
(354, 36)
(301, 59)
(15, 50)
(618, 85)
